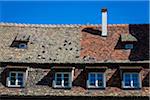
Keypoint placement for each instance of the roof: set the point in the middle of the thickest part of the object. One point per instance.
(127, 37)
(22, 37)
(72, 43)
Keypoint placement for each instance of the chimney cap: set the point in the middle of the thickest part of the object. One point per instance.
(104, 10)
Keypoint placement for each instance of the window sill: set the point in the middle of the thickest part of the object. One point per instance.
(131, 88)
(13, 86)
(61, 87)
(96, 88)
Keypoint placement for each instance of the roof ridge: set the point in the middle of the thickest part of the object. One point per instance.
(55, 25)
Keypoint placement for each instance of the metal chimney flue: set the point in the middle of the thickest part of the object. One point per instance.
(104, 22)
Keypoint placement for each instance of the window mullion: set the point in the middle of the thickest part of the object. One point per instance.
(131, 78)
(96, 81)
(62, 77)
(16, 81)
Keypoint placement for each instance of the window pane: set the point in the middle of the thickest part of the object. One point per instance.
(58, 81)
(135, 76)
(129, 46)
(13, 79)
(13, 74)
(127, 80)
(99, 76)
(92, 75)
(12, 82)
(100, 79)
(135, 79)
(92, 79)
(20, 74)
(100, 83)
(58, 75)
(66, 81)
(20, 81)
(66, 75)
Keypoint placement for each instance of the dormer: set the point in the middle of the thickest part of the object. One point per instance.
(21, 41)
(128, 41)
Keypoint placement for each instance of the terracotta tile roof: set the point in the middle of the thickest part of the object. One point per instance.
(73, 43)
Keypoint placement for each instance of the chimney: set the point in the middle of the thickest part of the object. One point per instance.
(104, 21)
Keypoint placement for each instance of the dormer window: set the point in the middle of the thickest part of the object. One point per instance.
(96, 80)
(131, 77)
(16, 79)
(21, 41)
(127, 41)
(128, 46)
(62, 80)
(131, 80)
(63, 77)
(22, 45)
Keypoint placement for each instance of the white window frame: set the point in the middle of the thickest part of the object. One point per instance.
(129, 46)
(24, 44)
(96, 83)
(62, 81)
(16, 83)
(131, 83)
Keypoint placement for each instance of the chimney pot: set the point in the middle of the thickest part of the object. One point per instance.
(104, 10)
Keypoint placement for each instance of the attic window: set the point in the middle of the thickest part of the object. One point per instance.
(21, 41)
(22, 45)
(131, 80)
(96, 80)
(128, 46)
(62, 80)
(16, 79)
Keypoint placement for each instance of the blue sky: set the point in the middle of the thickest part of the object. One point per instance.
(74, 12)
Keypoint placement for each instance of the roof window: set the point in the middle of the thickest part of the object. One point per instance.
(21, 41)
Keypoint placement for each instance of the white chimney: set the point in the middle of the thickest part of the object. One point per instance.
(104, 22)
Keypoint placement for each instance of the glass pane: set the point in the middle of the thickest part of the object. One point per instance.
(20, 74)
(127, 80)
(58, 81)
(100, 79)
(100, 83)
(66, 81)
(12, 82)
(135, 84)
(92, 75)
(13, 74)
(135, 76)
(58, 75)
(13, 79)
(92, 79)
(135, 79)
(99, 75)
(66, 75)
(20, 81)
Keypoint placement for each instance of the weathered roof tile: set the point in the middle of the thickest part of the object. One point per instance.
(81, 47)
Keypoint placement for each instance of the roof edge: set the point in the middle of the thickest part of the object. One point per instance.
(54, 25)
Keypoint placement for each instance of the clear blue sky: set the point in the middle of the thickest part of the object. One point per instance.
(74, 12)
